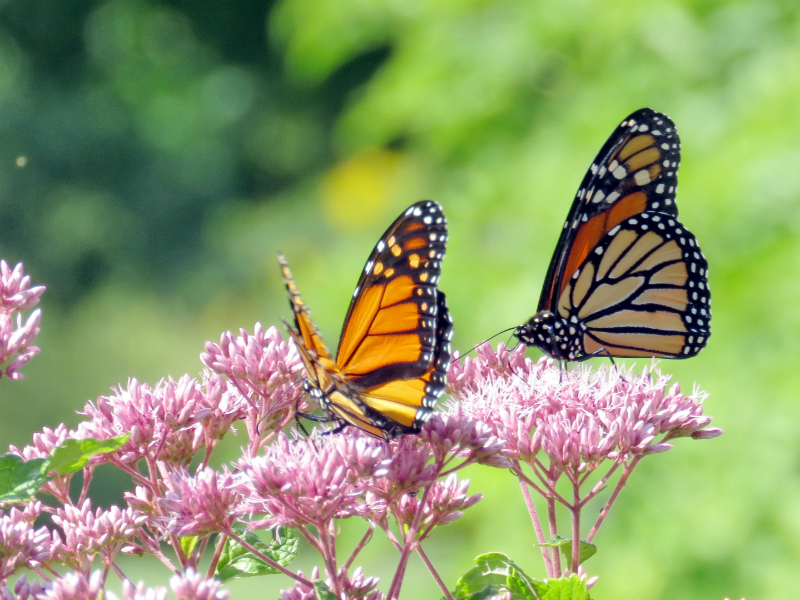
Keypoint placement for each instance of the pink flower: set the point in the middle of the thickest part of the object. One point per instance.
(301, 482)
(193, 586)
(15, 337)
(169, 422)
(354, 586)
(201, 504)
(16, 292)
(87, 533)
(22, 546)
(139, 592)
(23, 590)
(75, 586)
(578, 418)
(43, 445)
(445, 503)
(263, 367)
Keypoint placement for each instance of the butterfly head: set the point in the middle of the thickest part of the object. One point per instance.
(552, 334)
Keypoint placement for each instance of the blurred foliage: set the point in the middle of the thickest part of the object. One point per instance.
(155, 155)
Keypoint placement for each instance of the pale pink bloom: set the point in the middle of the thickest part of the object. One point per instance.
(489, 363)
(354, 586)
(87, 533)
(194, 586)
(446, 502)
(300, 482)
(201, 504)
(457, 434)
(21, 545)
(23, 590)
(75, 586)
(139, 592)
(263, 367)
(16, 337)
(16, 292)
(167, 422)
(579, 418)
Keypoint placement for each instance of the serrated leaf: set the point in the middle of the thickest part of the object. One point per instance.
(73, 455)
(188, 544)
(494, 574)
(520, 587)
(236, 561)
(587, 549)
(565, 588)
(485, 580)
(19, 479)
(323, 591)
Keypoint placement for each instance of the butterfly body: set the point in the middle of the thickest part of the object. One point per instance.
(627, 279)
(394, 350)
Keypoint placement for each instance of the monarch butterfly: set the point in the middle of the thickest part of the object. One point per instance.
(394, 350)
(627, 278)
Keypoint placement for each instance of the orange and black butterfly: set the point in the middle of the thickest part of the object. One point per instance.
(394, 350)
(627, 278)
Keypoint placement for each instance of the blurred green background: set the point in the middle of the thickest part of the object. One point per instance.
(155, 155)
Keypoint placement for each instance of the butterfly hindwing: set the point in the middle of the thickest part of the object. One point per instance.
(642, 292)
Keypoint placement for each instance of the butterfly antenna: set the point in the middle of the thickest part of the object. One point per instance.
(486, 340)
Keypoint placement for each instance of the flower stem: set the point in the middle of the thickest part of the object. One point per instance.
(217, 554)
(364, 541)
(408, 542)
(537, 527)
(576, 526)
(435, 575)
(553, 525)
(626, 472)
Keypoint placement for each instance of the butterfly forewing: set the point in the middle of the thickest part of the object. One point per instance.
(394, 351)
(635, 171)
(410, 402)
(389, 332)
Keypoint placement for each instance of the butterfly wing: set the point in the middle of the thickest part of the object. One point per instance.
(318, 362)
(626, 279)
(390, 331)
(409, 402)
(394, 351)
(635, 171)
(643, 291)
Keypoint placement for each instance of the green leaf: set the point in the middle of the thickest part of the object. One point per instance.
(494, 574)
(236, 561)
(587, 549)
(323, 591)
(566, 588)
(73, 455)
(521, 586)
(20, 480)
(188, 544)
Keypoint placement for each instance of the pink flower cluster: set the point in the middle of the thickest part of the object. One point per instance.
(171, 421)
(21, 544)
(16, 337)
(577, 418)
(566, 425)
(264, 368)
